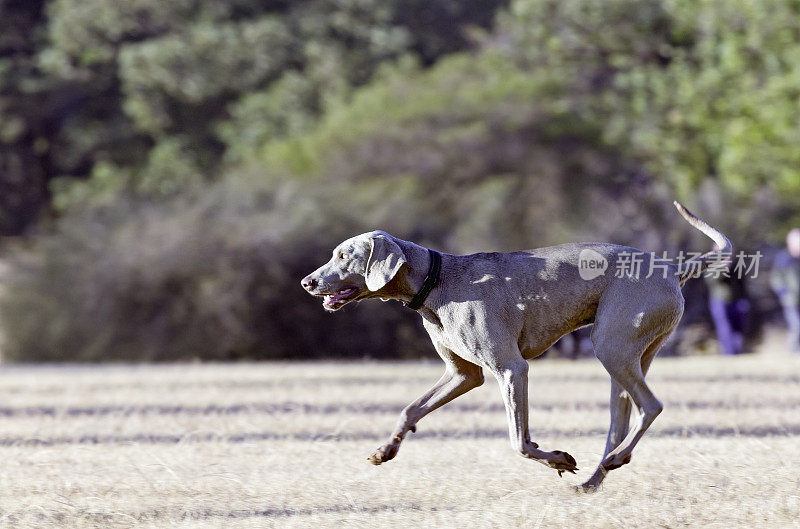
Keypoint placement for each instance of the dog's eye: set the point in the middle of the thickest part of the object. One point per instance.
(342, 256)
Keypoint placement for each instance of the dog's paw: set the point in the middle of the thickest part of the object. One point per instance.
(615, 461)
(564, 463)
(383, 454)
(586, 488)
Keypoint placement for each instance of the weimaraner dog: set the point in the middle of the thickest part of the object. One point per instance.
(496, 311)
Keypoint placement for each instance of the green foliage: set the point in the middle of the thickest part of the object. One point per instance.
(486, 142)
(199, 65)
(223, 147)
(695, 90)
(287, 108)
(213, 278)
(87, 85)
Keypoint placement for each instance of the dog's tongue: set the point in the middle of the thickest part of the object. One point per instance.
(332, 299)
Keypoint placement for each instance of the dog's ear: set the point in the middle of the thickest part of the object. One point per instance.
(385, 259)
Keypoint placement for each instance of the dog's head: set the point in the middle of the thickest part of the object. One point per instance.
(359, 268)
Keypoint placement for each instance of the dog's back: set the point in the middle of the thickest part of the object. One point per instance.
(544, 293)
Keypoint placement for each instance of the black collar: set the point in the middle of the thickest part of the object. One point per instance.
(430, 281)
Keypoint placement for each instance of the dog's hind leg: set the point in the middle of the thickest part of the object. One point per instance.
(631, 378)
(627, 384)
(620, 407)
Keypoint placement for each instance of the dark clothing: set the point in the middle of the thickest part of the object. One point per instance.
(727, 302)
(792, 315)
(785, 281)
(785, 278)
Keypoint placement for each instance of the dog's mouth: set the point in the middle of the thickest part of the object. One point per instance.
(339, 298)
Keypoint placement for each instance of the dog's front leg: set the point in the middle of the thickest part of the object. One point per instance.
(459, 377)
(513, 379)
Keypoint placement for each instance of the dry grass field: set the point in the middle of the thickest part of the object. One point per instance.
(285, 445)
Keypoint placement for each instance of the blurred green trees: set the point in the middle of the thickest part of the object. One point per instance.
(98, 86)
(203, 155)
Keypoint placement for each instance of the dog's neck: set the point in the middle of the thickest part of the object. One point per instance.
(411, 277)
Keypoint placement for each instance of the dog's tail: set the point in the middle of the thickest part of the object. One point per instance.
(721, 254)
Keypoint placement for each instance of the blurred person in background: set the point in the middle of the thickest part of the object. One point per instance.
(729, 307)
(785, 282)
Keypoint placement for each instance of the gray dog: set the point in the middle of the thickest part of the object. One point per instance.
(495, 311)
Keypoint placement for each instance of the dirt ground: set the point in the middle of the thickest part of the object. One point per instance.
(285, 445)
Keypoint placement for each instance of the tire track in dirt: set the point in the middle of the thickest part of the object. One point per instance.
(169, 513)
(373, 381)
(694, 431)
(361, 408)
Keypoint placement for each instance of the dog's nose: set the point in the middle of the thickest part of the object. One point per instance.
(309, 283)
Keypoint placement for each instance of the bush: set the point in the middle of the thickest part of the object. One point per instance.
(215, 278)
